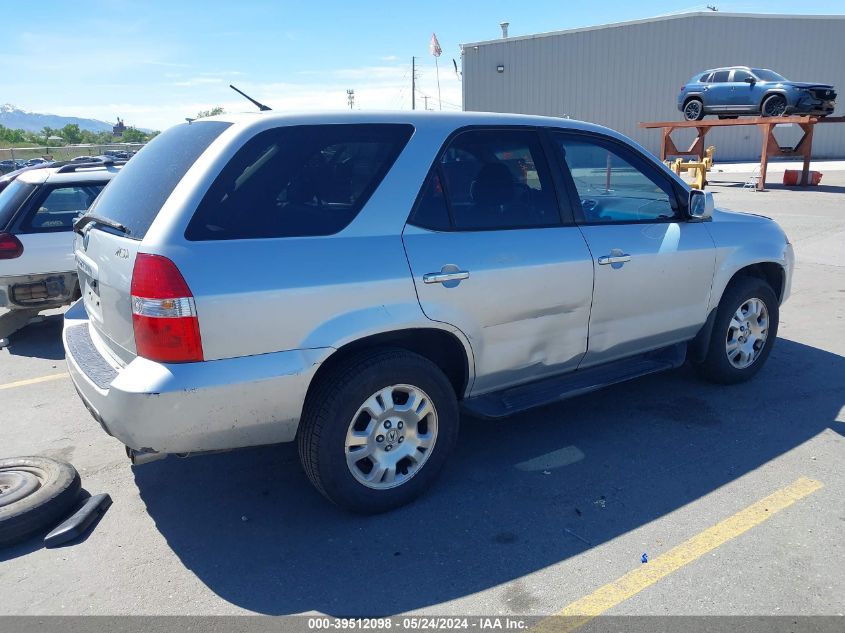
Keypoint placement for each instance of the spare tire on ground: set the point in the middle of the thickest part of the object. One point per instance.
(35, 494)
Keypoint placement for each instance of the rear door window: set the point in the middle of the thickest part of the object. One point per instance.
(489, 179)
(298, 181)
(136, 195)
(720, 76)
(55, 209)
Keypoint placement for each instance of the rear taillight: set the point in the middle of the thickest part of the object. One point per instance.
(164, 314)
(10, 246)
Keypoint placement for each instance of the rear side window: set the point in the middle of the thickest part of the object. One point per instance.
(298, 181)
(720, 76)
(55, 209)
(138, 192)
(704, 77)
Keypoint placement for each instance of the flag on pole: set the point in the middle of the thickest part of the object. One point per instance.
(434, 46)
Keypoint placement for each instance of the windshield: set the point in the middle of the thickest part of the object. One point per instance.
(138, 192)
(767, 75)
(11, 199)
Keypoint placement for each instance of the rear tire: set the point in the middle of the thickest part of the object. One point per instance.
(694, 110)
(744, 331)
(376, 431)
(38, 492)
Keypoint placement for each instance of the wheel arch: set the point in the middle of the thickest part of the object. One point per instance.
(772, 272)
(444, 348)
(772, 91)
(696, 95)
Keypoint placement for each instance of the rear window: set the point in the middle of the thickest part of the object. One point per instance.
(298, 181)
(11, 199)
(138, 192)
(55, 209)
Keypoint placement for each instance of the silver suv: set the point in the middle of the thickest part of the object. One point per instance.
(353, 281)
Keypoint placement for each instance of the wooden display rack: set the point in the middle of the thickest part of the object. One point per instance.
(766, 126)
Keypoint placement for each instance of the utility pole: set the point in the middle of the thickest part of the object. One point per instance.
(413, 84)
(350, 98)
(425, 97)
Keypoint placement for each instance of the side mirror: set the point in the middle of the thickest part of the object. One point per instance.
(701, 205)
(750, 80)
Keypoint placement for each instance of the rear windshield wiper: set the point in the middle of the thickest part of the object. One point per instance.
(85, 220)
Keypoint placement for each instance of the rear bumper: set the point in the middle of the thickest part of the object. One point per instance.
(190, 407)
(42, 291)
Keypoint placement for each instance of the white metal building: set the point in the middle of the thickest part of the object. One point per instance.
(620, 74)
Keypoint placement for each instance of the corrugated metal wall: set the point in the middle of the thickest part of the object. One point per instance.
(620, 75)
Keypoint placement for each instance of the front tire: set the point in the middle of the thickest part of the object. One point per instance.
(774, 105)
(744, 331)
(694, 110)
(376, 431)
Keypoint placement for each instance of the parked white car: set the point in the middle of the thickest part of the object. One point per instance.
(37, 212)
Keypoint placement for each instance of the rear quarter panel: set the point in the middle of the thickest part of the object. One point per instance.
(266, 295)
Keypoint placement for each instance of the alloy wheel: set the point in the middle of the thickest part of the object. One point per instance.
(692, 111)
(775, 107)
(747, 333)
(391, 436)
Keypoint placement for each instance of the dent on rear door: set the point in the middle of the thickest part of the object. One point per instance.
(525, 306)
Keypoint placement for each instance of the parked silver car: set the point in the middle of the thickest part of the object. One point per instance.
(350, 280)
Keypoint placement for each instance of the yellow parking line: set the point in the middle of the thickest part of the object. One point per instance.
(604, 598)
(33, 381)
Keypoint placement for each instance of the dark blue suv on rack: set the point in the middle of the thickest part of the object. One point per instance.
(730, 92)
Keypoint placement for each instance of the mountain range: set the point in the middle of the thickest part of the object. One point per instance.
(17, 119)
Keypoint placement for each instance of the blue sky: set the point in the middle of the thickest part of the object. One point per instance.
(153, 62)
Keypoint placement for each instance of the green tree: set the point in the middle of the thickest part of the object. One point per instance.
(213, 112)
(134, 135)
(71, 133)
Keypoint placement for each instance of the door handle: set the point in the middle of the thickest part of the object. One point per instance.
(441, 277)
(614, 259)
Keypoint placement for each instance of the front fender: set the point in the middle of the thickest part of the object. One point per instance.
(743, 240)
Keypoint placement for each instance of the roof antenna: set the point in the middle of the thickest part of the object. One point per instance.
(259, 105)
